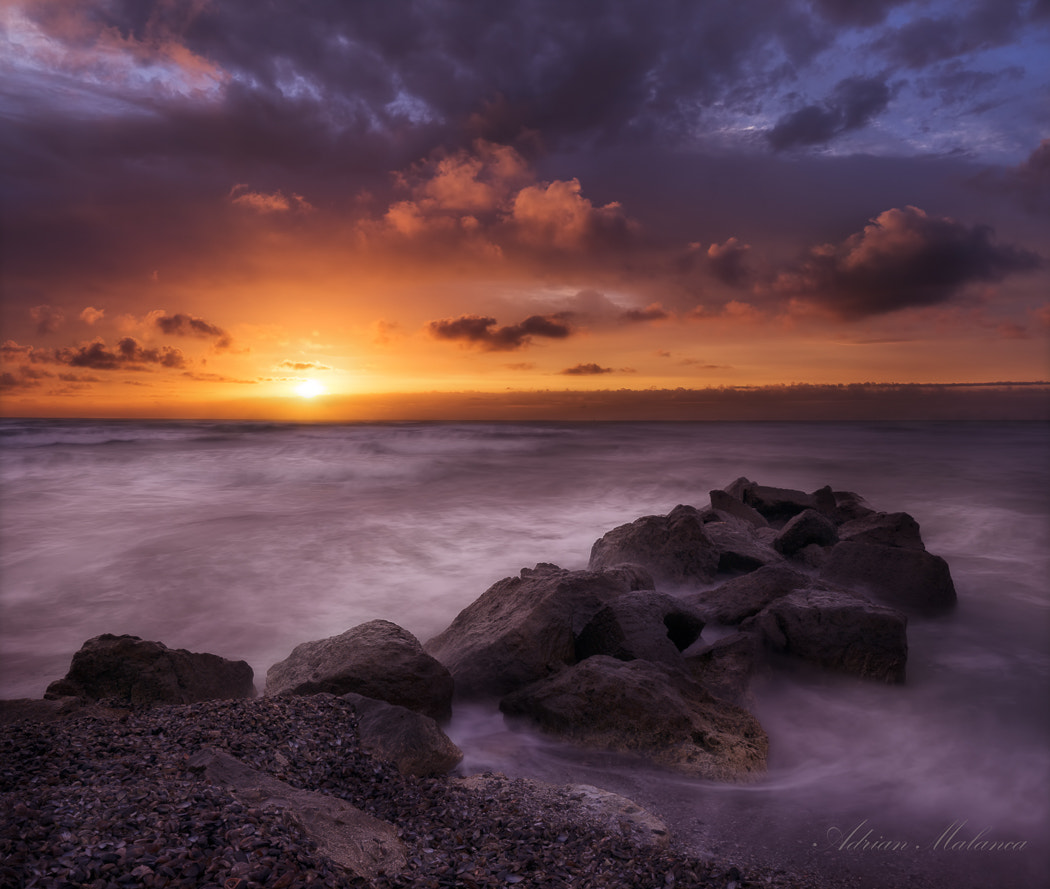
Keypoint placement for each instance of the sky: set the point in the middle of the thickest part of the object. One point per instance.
(342, 210)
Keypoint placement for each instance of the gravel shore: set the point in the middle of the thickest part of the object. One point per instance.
(106, 799)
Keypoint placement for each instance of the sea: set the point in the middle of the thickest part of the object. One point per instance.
(246, 539)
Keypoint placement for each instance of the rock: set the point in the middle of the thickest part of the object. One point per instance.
(906, 578)
(725, 667)
(776, 505)
(838, 631)
(414, 743)
(848, 506)
(647, 709)
(745, 596)
(824, 502)
(524, 628)
(740, 545)
(131, 670)
(806, 528)
(885, 528)
(673, 548)
(353, 839)
(726, 502)
(644, 624)
(378, 659)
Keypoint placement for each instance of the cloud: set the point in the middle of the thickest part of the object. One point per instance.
(91, 315)
(583, 370)
(48, 319)
(902, 258)
(127, 354)
(852, 105)
(654, 312)
(851, 12)
(23, 378)
(556, 214)
(482, 331)
(263, 202)
(302, 365)
(188, 325)
(728, 262)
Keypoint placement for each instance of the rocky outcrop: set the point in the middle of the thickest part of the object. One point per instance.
(524, 628)
(806, 528)
(135, 671)
(673, 548)
(353, 839)
(647, 709)
(906, 578)
(414, 743)
(726, 502)
(837, 631)
(644, 624)
(378, 659)
(743, 597)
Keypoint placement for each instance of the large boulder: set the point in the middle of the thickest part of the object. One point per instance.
(524, 628)
(644, 624)
(135, 671)
(906, 578)
(647, 709)
(838, 631)
(414, 743)
(745, 596)
(674, 548)
(885, 528)
(808, 527)
(378, 659)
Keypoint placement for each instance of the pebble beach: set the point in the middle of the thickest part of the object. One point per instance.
(107, 799)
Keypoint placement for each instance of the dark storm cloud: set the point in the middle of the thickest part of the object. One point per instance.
(861, 13)
(127, 354)
(483, 332)
(586, 370)
(903, 258)
(640, 316)
(924, 41)
(188, 325)
(851, 105)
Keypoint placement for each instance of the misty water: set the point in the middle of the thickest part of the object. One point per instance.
(247, 539)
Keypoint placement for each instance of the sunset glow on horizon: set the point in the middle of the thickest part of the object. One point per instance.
(436, 210)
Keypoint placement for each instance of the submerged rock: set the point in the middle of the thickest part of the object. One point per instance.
(133, 670)
(674, 548)
(647, 709)
(524, 628)
(378, 659)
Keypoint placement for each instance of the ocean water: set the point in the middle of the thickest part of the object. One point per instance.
(247, 539)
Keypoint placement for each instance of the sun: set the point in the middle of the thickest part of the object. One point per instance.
(309, 389)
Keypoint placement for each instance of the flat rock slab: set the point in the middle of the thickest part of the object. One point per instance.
(351, 838)
(743, 597)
